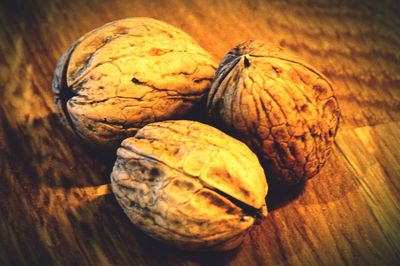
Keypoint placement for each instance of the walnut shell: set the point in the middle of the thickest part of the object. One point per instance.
(284, 109)
(189, 185)
(126, 74)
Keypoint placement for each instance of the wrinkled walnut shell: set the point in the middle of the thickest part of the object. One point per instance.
(126, 74)
(284, 109)
(189, 185)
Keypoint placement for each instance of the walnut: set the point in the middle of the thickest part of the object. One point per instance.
(284, 109)
(189, 185)
(126, 74)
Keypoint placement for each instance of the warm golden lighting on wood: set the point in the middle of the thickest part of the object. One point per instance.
(55, 205)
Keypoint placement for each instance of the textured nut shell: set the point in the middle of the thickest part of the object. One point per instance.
(186, 183)
(285, 110)
(127, 73)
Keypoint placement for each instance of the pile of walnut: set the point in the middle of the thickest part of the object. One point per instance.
(184, 182)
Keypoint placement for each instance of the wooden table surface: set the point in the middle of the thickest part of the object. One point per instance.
(54, 209)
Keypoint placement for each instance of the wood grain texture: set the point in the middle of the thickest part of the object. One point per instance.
(54, 208)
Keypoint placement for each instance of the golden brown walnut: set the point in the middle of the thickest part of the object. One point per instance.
(126, 74)
(284, 109)
(189, 185)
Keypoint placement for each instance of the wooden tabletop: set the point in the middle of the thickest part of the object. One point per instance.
(55, 208)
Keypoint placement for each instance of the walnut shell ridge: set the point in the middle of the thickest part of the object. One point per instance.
(126, 74)
(284, 109)
(189, 185)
